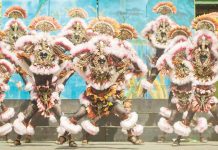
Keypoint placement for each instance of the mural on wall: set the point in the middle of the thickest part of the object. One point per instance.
(136, 13)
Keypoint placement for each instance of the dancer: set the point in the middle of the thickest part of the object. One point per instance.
(102, 64)
(175, 63)
(156, 32)
(42, 57)
(203, 57)
(6, 71)
(77, 32)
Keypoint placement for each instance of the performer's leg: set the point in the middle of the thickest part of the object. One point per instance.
(169, 121)
(57, 112)
(79, 114)
(170, 97)
(162, 137)
(3, 106)
(74, 118)
(86, 135)
(123, 114)
(202, 138)
(31, 110)
(186, 122)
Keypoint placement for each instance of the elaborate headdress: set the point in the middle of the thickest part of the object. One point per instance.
(164, 8)
(76, 29)
(16, 12)
(105, 25)
(206, 21)
(127, 32)
(179, 30)
(78, 12)
(45, 24)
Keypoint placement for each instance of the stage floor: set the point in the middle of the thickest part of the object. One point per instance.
(111, 146)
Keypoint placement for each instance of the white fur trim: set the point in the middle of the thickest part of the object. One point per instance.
(84, 101)
(5, 116)
(55, 96)
(137, 130)
(165, 112)
(19, 127)
(4, 87)
(164, 125)
(181, 46)
(161, 62)
(148, 29)
(68, 126)
(174, 41)
(13, 21)
(124, 131)
(60, 131)
(52, 119)
(184, 115)
(30, 130)
(146, 85)
(181, 129)
(21, 116)
(130, 121)
(28, 87)
(5, 129)
(201, 125)
(213, 99)
(89, 127)
(207, 34)
(43, 70)
(216, 129)
(60, 87)
(142, 66)
(174, 100)
(5, 50)
(9, 66)
(64, 42)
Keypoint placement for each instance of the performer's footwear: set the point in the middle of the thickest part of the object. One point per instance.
(62, 140)
(17, 142)
(161, 139)
(203, 140)
(84, 142)
(135, 140)
(176, 142)
(28, 139)
(72, 143)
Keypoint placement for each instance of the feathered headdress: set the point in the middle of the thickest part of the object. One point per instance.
(179, 30)
(206, 21)
(15, 12)
(78, 12)
(127, 32)
(45, 24)
(105, 25)
(164, 8)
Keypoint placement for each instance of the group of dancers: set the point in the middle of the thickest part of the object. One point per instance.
(101, 53)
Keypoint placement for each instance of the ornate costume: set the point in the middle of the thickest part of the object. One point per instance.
(42, 57)
(156, 32)
(13, 29)
(104, 62)
(203, 57)
(7, 69)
